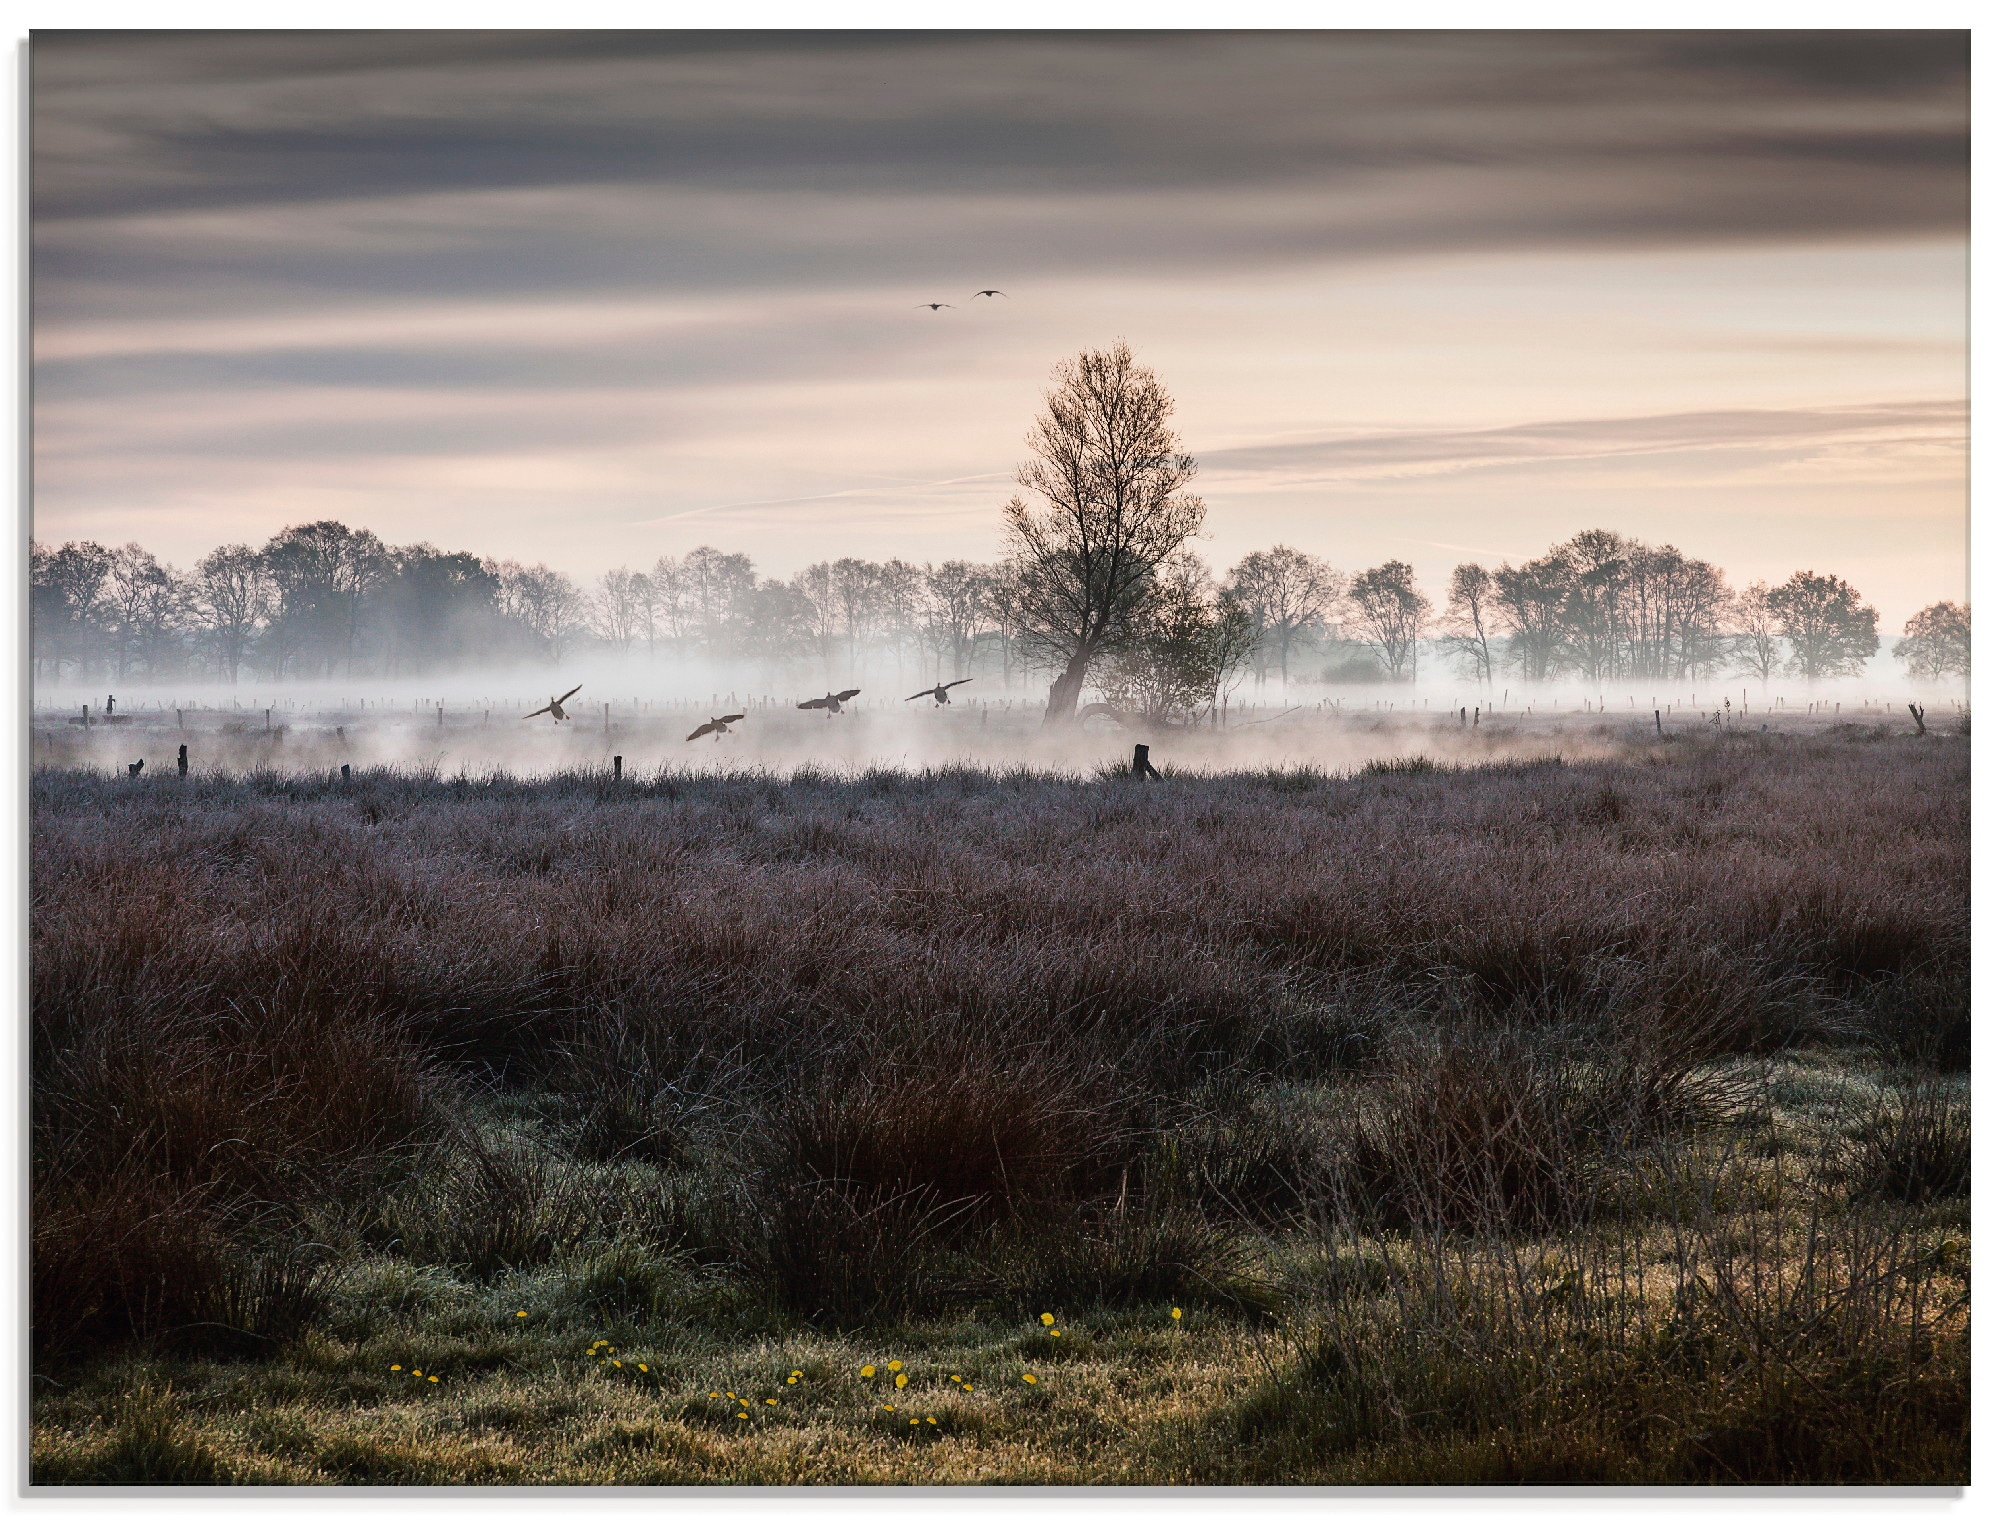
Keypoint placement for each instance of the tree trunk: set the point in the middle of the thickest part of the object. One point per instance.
(1065, 691)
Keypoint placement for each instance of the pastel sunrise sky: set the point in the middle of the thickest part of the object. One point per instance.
(590, 298)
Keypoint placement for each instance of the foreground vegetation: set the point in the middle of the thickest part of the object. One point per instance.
(1531, 1123)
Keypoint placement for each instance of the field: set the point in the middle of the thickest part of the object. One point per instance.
(1519, 1119)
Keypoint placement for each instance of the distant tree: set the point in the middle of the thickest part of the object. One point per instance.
(1286, 593)
(65, 598)
(143, 606)
(232, 597)
(1599, 567)
(1390, 614)
(1830, 631)
(1534, 602)
(1759, 634)
(1937, 642)
(432, 609)
(716, 588)
(1110, 474)
(952, 609)
(1470, 620)
(542, 606)
(619, 608)
(1184, 640)
(321, 572)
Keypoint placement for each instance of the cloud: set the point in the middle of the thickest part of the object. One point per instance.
(1408, 454)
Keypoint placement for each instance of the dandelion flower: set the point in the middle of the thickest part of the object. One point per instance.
(1054, 1332)
(395, 1367)
(956, 1379)
(644, 1369)
(520, 1315)
(591, 1353)
(931, 1418)
(1048, 1319)
(1175, 1312)
(742, 1415)
(1027, 1378)
(869, 1371)
(896, 1367)
(888, 1407)
(434, 1378)
(714, 1394)
(770, 1401)
(902, 1379)
(616, 1363)
(914, 1421)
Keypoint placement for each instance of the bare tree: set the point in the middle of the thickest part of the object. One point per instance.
(1185, 640)
(1391, 614)
(143, 601)
(1469, 623)
(614, 611)
(1110, 473)
(1286, 592)
(232, 597)
(1937, 642)
(1758, 638)
(952, 609)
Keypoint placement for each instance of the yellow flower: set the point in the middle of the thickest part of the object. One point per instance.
(591, 1353)
(1175, 1312)
(1027, 1378)
(1048, 1319)
(616, 1363)
(713, 1394)
(902, 1379)
(965, 1388)
(914, 1421)
(601, 1342)
(520, 1315)
(931, 1418)
(770, 1401)
(742, 1415)
(1055, 1333)
(434, 1378)
(888, 1407)
(956, 1379)
(395, 1367)
(895, 1367)
(869, 1371)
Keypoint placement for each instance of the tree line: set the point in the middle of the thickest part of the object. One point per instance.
(1097, 589)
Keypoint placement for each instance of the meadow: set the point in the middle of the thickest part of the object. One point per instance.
(1516, 1118)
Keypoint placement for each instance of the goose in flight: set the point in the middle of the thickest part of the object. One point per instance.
(936, 305)
(989, 293)
(830, 702)
(938, 693)
(720, 726)
(554, 708)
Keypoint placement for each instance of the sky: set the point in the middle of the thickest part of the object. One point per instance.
(591, 298)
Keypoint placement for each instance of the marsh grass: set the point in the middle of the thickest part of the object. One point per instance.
(1539, 1122)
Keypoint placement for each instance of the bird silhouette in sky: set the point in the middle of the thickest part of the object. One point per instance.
(989, 293)
(830, 702)
(554, 708)
(938, 693)
(719, 726)
(936, 305)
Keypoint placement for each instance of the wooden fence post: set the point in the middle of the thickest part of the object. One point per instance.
(617, 767)
(1142, 766)
(183, 763)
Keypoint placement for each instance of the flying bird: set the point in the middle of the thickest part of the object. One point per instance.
(989, 293)
(554, 708)
(936, 305)
(830, 702)
(720, 726)
(938, 693)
